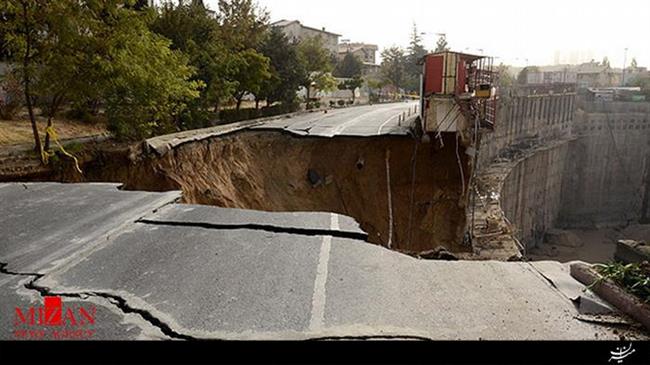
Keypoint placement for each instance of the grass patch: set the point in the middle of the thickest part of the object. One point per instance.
(634, 278)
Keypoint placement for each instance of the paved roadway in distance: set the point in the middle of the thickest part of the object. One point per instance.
(364, 121)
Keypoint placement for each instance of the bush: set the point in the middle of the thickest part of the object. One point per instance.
(317, 104)
(341, 102)
(195, 117)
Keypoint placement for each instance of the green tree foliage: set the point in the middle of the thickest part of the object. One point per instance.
(522, 77)
(194, 30)
(633, 64)
(286, 70)
(243, 24)
(71, 51)
(252, 72)
(350, 66)
(413, 68)
(351, 84)
(504, 76)
(393, 66)
(147, 84)
(24, 30)
(644, 84)
(442, 45)
(605, 62)
(317, 64)
(243, 29)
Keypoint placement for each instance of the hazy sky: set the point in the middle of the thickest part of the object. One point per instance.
(539, 31)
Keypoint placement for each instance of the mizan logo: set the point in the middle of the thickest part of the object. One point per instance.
(54, 321)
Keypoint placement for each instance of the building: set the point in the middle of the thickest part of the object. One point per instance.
(615, 94)
(560, 74)
(367, 53)
(594, 74)
(297, 32)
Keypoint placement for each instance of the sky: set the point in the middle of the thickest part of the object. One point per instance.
(517, 32)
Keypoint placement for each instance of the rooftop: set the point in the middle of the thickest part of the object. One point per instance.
(284, 23)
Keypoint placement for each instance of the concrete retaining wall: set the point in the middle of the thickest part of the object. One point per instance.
(608, 166)
(583, 165)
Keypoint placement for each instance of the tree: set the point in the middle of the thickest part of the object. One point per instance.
(351, 84)
(196, 32)
(522, 77)
(416, 52)
(252, 72)
(286, 70)
(633, 64)
(316, 61)
(504, 76)
(243, 24)
(25, 30)
(644, 84)
(243, 29)
(350, 66)
(147, 85)
(605, 62)
(441, 45)
(392, 66)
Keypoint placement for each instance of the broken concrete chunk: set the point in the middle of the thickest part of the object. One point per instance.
(630, 251)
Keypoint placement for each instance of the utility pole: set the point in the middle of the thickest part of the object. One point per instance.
(624, 62)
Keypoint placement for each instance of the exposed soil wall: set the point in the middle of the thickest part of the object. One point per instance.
(270, 171)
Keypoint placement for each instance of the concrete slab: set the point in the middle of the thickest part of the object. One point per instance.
(45, 222)
(383, 290)
(205, 282)
(250, 283)
(302, 222)
(163, 144)
(559, 275)
(110, 322)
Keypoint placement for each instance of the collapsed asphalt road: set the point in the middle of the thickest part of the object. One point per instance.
(151, 268)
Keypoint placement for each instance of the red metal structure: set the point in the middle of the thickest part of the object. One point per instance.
(465, 78)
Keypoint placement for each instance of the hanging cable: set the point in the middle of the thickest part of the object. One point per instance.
(413, 164)
(390, 201)
(460, 166)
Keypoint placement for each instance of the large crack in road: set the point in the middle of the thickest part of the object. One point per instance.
(116, 300)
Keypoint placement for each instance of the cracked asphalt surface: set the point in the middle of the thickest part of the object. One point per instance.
(155, 269)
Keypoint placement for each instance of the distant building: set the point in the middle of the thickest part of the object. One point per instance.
(615, 94)
(365, 52)
(560, 74)
(297, 32)
(594, 74)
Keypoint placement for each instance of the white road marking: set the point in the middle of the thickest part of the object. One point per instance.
(318, 299)
(341, 127)
(386, 122)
